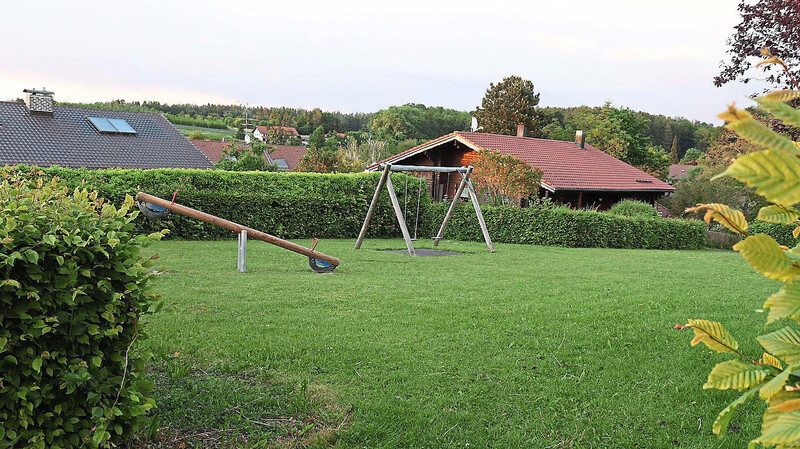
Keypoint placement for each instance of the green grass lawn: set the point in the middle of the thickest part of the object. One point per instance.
(528, 347)
(205, 133)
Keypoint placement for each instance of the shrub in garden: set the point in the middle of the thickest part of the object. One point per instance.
(633, 208)
(772, 376)
(73, 289)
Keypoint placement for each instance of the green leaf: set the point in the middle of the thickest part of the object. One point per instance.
(778, 214)
(778, 95)
(97, 361)
(775, 385)
(37, 364)
(774, 174)
(783, 343)
(760, 134)
(32, 256)
(784, 304)
(713, 335)
(724, 417)
(784, 431)
(782, 111)
(11, 224)
(735, 375)
(765, 255)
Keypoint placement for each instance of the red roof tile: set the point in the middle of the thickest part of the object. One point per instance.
(213, 149)
(290, 153)
(680, 171)
(286, 130)
(564, 165)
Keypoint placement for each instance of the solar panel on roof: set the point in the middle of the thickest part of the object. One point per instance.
(122, 126)
(281, 163)
(112, 125)
(102, 124)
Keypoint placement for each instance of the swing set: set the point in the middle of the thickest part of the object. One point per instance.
(157, 208)
(402, 214)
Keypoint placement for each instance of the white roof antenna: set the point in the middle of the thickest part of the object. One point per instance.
(474, 126)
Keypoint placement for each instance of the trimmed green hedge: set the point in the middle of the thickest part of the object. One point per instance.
(288, 205)
(303, 205)
(573, 228)
(781, 233)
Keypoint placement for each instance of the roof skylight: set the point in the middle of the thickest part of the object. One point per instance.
(112, 125)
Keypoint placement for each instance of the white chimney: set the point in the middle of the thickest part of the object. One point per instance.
(522, 130)
(39, 102)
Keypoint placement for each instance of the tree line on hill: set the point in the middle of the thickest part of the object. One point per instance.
(639, 138)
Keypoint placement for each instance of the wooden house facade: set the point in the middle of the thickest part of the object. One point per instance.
(574, 173)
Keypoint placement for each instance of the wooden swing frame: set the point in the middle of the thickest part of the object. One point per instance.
(386, 180)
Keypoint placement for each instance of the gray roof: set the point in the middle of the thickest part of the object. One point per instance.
(68, 139)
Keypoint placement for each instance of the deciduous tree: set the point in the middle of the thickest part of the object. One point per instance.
(773, 24)
(504, 179)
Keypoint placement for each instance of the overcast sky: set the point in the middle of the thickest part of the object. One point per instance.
(352, 56)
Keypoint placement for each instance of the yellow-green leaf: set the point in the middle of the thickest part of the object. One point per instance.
(779, 95)
(765, 255)
(713, 335)
(778, 214)
(787, 406)
(784, 304)
(769, 389)
(771, 360)
(724, 417)
(796, 231)
(735, 375)
(724, 215)
(774, 174)
(782, 111)
(783, 343)
(784, 431)
(758, 133)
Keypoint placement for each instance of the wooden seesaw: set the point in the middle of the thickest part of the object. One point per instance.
(155, 207)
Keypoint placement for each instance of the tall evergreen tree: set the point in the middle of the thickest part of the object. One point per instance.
(507, 104)
(673, 152)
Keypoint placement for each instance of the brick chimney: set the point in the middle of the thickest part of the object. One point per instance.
(522, 130)
(580, 139)
(39, 102)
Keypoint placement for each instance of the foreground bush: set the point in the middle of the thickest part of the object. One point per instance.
(573, 228)
(770, 373)
(633, 208)
(73, 288)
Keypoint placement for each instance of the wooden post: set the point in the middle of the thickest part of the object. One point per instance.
(400, 219)
(440, 234)
(477, 206)
(580, 199)
(235, 227)
(372, 205)
(241, 263)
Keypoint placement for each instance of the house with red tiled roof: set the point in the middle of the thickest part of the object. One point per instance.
(214, 149)
(573, 173)
(264, 132)
(287, 157)
(679, 171)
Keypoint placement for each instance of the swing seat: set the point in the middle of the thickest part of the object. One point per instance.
(153, 211)
(320, 266)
